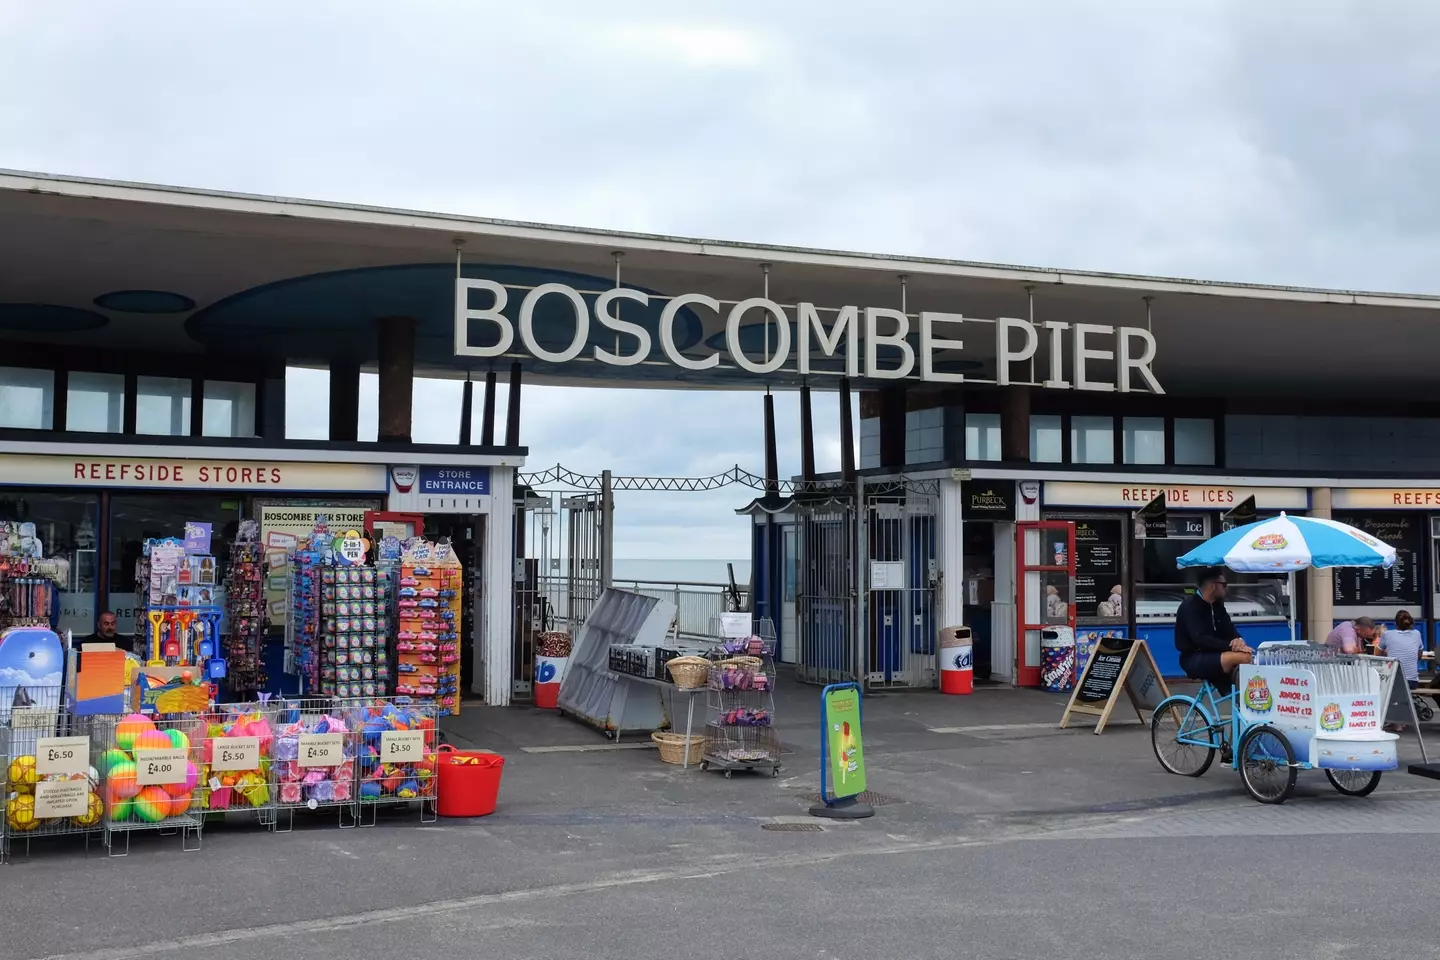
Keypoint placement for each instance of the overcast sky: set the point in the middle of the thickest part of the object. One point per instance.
(1279, 142)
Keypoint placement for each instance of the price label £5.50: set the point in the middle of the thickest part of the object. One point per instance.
(62, 755)
(322, 749)
(161, 767)
(235, 753)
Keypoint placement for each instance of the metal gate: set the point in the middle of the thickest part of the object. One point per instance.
(826, 590)
(561, 568)
(900, 528)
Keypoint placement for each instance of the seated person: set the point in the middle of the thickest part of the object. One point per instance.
(1404, 643)
(1352, 635)
(1209, 645)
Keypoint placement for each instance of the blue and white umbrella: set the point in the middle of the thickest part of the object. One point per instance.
(1285, 544)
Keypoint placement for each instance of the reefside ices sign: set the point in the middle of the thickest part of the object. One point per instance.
(855, 337)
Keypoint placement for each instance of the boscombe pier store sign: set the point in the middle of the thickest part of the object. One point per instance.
(855, 336)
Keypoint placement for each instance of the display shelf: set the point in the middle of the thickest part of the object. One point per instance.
(740, 693)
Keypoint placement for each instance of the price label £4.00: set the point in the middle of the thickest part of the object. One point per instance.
(235, 753)
(322, 749)
(62, 755)
(161, 767)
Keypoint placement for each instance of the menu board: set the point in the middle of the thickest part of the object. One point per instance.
(1375, 586)
(1098, 546)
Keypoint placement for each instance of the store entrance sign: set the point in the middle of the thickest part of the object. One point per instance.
(149, 473)
(458, 481)
(1177, 497)
(808, 333)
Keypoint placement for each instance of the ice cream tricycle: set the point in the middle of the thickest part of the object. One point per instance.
(1297, 707)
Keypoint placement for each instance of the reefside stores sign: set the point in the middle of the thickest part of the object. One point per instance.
(855, 337)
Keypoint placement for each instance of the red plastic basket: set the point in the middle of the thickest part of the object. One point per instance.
(469, 782)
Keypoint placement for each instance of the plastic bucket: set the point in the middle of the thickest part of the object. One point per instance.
(469, 782)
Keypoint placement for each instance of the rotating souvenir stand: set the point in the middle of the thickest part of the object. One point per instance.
(740, 734)
(304, 620)
(27, 594)
(245, 603)
(427, 642)
(354, 661)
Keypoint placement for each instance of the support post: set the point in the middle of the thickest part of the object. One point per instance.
(495, 679)
(512, 408)
(772, 458)
(892, 428)
(1320, 619)
(847, 433)
(467, 401)
(807, 437)
(607, 531)
(487, 413)
(397, 378)
(344, 399)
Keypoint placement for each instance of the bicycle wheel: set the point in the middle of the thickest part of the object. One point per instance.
(1354, 783)
(1267, 764)
(1178, 717)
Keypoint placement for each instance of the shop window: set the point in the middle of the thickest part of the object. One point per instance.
(95, 402)
(1092, 439)
(1195, 442)
(1047, 439)
(229, 409)
(27, 398)
(1162, 586)
(65, 525)
(135, 518)
(982, 436)
(1143, 439)
(162, 406)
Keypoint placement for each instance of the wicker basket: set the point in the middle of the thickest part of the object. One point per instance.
(672, 746)
(749, 664)
(689, 672)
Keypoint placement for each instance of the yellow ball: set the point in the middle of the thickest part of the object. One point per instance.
(92, 813)
(20, 813)
(23, 775)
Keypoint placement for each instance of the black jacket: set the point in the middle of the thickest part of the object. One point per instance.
(1203, 626)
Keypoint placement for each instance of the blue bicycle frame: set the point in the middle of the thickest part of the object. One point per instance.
(1207, 705)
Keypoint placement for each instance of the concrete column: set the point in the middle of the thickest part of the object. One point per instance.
(892, 427)
(1319, 619)
(493, 675)
(344, 399)
(397, 377)
(952, 555)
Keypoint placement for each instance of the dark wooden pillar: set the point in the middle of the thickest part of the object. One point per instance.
(397, 377)
(772, 456)
(512, 409)
(892, 427)
(1015, 424)
(467, 400)
(807, 437)
(345, 400)
(487, 412)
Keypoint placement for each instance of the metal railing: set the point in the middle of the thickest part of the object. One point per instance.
(695, 602)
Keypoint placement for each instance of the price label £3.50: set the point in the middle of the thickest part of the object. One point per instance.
(62, 755)
(161, 767)
(322, 749)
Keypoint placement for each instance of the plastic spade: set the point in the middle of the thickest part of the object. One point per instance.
(157, 619)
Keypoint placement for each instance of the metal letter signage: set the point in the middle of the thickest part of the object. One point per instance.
(853, 334)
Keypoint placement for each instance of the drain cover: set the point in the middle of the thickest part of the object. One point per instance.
(793, 827)
(866, 796)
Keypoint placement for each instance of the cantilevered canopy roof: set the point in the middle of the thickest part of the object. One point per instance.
(141, 266)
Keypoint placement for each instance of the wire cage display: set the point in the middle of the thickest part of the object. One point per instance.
(52, 788)
(151, 778)
(313, 760)
(396, 743)
(237, 752)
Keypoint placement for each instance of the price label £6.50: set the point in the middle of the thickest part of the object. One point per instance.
(322, 749)
(62, 755)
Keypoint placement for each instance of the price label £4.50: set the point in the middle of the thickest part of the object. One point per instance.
(161, 767)
(322, 749)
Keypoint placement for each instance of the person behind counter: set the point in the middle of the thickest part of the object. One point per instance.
(1352, 635)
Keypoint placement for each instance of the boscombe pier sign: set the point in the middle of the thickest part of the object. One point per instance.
(854, 336)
